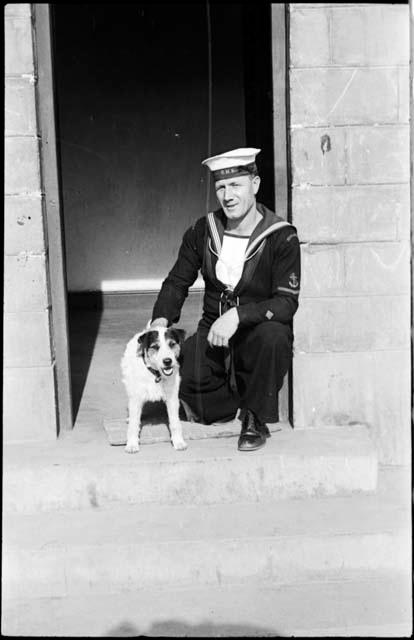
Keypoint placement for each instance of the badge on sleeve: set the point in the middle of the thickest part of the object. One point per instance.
(293, 280)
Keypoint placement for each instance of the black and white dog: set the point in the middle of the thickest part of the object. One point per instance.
(150, 371)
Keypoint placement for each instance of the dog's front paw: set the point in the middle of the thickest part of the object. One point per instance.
(132, 447)
(179, 444)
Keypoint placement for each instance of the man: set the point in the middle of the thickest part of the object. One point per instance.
(250, 261)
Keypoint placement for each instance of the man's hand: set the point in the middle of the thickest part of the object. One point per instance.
(223, 328)
(158, 322)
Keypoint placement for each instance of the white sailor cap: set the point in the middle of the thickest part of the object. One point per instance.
(238, 162)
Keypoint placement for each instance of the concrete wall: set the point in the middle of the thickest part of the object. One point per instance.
(29, 411)
(133, 111)
(349, 80)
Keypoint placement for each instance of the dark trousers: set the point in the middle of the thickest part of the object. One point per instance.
(262, 356)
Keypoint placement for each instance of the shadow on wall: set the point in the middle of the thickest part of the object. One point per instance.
(177, 628)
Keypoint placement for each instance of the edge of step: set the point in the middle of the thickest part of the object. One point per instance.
(116, 428)
(127, 547)
(388, 509)
(293, 463)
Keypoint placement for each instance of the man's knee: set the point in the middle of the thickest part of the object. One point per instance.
(198, 372)
(195, 379)
(272, 335)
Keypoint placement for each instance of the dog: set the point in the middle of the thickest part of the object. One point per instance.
(150, 371)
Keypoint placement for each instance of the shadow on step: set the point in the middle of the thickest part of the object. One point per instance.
(179, 629)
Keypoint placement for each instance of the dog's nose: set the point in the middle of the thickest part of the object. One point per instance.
(167, 362)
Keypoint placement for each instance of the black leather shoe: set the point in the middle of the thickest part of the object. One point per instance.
(253, 433)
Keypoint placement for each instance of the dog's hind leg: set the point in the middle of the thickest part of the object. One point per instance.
(175, 424)
(134, 425)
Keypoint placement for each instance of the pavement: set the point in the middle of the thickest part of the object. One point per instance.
(308, 536)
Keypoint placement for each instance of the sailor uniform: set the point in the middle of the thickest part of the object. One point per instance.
(266, 297)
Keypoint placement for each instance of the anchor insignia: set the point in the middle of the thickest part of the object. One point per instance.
(293, 280)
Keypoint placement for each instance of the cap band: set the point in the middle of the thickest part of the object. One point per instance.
(229, 172)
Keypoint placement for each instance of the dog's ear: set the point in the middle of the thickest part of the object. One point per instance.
(178, 335)
(143, 342)
(140, 347)
(142, 338)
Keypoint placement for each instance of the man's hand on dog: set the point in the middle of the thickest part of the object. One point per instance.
(158, 322)
(223, 329)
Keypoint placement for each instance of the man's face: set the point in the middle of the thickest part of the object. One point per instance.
(237, 195)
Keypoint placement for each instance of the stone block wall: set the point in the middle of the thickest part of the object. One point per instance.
(349, 97)
(29, 409)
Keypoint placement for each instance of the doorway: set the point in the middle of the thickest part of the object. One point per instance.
(144, 93)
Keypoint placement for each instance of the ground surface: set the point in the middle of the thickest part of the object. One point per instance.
(292, 539)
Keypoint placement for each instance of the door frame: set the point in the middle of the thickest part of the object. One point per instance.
(51, 184)
(46, 114)
(281, 146)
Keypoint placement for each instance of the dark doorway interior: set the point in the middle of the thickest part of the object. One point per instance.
(133, 126)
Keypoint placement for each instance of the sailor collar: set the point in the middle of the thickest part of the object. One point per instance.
(269, 223)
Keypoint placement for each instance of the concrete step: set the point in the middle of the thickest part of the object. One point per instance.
(74, 473)
(135, 547)
(373, 604)
(157, 430)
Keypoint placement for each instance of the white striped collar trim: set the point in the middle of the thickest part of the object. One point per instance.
(214, 231)
(256, 242)
(250, 255)
(265, 233)
(211, 248)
